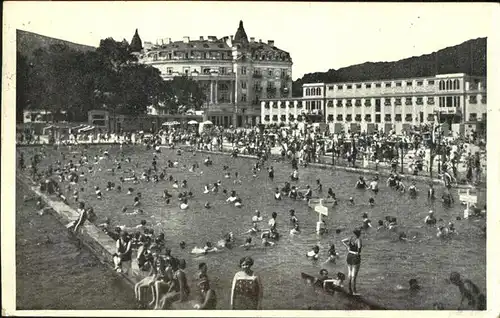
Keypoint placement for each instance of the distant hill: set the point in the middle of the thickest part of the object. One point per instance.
(468, 57)
(28, 42)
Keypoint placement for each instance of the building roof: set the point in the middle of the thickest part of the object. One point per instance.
(241, 36)
(193, 45)
(136, 43)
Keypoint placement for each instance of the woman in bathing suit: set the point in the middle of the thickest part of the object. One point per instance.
(354, 246)
(246, 292)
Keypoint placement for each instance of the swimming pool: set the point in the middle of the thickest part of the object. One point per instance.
(386, 261)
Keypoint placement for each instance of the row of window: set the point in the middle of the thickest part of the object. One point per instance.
(379, 85)
(314, 91)
(449, 85)
(367, 118)
(258, 72)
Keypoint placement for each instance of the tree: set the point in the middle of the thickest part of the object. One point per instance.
(187, 93)
(22, 69)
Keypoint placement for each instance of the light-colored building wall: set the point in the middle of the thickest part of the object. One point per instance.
(394, 104)
(235, 75)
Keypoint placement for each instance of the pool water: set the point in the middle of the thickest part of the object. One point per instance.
(386, 262)
(57, 273)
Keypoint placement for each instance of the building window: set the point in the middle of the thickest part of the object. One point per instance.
(408, 101)
(398, 84)
(340, 87)
(473, 99)
(299, 104)
(408, 117)
(368, 102)
(368, 85)
(348, 103)
(283, 73)
(308, 92)
(430, 100)
(378, 85)
(275, 104)
(368, 118)
(291, 117)
(170, 70)
(388, 84)
(283, 104)
(339, 103)
(357, 117)
(420, 100)
(420, 83)
(377, 118)
(222, 70)
(357, 102)
(243, 70)
(387, 118)
(330, 103)
(318, 91)
(409, 83)
(449, 101)
(430, 117)
(283, 118)
(266, 118)
(275, 117)
(330, 88)
(243, 85)
(340, 117)
(472, 117)
(483, 100)
(358, 85)
(398, 102)
(330, 118)
(398, 117)
(348, 117)
(266, 105)
(387, 102)
(348, 86)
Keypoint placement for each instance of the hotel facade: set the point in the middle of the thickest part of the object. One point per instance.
(236, 73)
(385, 104)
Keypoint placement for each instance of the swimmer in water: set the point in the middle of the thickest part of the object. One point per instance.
(184, 205)
(332, 254)
(442, 232)
(207, 205)
(361, 184)
(366, 222)
(293, 218)
(431, 193)
(257, 217)
(248, 244)
(266, 242)
(412, 190)
(430, 219)
(254, 230)
(277, 194)
(374, 185)
(371, 201)
(295, 230)
(319, 186)
(314, 253)
(351, 201)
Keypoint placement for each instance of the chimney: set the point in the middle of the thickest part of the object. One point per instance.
(252, 40)
(186, 39)
(201, 38)
(260, 40)
(270, 42)
(232, 38)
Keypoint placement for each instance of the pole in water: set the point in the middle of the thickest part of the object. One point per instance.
(322, 210)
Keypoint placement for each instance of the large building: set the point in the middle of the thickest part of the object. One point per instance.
(385, 104)
(236, 72)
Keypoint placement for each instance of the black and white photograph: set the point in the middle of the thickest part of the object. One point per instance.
(259, 156)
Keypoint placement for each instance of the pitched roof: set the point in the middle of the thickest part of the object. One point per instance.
(241, 35)
(193, 45)
(136, 43)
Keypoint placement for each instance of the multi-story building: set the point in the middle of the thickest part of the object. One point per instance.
(387, 104)
(235, 72)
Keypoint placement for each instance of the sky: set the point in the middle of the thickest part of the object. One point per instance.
(319, 36)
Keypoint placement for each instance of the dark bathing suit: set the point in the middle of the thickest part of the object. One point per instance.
(353, 256)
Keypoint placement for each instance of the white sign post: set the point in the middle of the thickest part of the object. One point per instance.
(322, 210)
(468, 199)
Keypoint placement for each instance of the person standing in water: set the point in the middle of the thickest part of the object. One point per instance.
(354, 246)
(246, 291)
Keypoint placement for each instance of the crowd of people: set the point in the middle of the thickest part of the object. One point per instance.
(164, 280)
